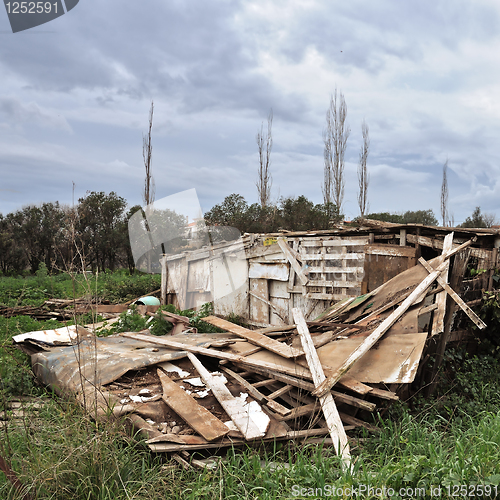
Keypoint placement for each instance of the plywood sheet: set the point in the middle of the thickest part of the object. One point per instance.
(393, 360)
(268, 271)
(259, 310)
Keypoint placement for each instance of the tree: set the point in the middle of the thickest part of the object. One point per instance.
(100, 228)
(335, 138)
(363, 178)
(265, 145)
(231, 212)
(147, 151)
(444, 196)
(425, 217)
(149, 185)
(36, 229)
(479, 220)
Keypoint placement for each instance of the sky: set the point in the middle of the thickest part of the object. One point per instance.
(75, 95)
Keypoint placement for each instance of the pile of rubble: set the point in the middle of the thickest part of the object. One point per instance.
(310, 380)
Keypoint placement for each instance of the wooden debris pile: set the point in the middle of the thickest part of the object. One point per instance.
(310, 379)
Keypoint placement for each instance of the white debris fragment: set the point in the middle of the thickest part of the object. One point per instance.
(150, 422)
(221, 376)
(258, 416)
(202, 394)
(141, 399)
(230, 425)
(144, 392)
(124, 401)
(169, 368)
(196, 382)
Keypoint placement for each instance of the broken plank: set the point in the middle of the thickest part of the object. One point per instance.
(465, 308)
(179, 439)
(256, 338)
(231, 405)
(293, 261)
(332, 417)
(256, 394)
(356, 422)
(280, 392)
(301, 411)
(373, 338)
(195, 415)
(383, 394)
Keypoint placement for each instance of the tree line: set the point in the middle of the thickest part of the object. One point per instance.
(93, 233)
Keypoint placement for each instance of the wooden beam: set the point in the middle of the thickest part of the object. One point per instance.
(465, 308)
(373, 338)
(256, 394)
(255, 338)
(293, 261)
(195, 415)
(332, 417)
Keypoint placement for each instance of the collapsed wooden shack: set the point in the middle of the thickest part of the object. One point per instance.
(326, 357)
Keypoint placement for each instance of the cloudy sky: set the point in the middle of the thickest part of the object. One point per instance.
(75, 95)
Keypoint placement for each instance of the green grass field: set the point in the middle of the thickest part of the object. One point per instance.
(446, 447)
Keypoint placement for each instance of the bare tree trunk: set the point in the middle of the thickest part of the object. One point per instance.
(149, 183)
(335, 138)
(265, 145)
(444, 196)
(363, 178)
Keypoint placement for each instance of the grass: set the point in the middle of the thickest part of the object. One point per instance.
(448, 442)
(118, 286)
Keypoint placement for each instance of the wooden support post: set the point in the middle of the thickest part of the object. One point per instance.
(332, 417)
(493, 265)
(164, 281)
(402, 237)
(438, 322)
(457, 274)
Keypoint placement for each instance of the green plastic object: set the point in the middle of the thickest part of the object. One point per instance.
(147, 301)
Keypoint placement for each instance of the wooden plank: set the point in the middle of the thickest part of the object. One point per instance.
(195, 415)
(255, 338)
(256, 394)
(232, 406)
(356, 422)
(389, 250)
(335, 256)
(480, 253)
(381, 393)
(332, 417)
(373, 338)
(465, 308)
(276, 394)
(293, 261)
(438, 321)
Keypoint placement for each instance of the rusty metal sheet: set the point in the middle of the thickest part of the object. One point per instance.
(96, 361)
(393, 360)
(268, 271)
